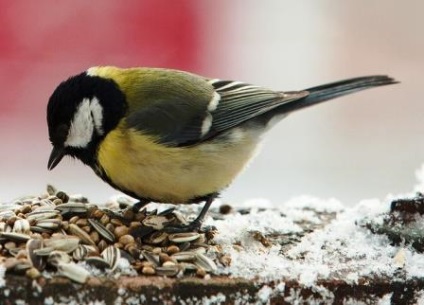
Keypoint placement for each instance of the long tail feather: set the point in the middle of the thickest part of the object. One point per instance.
(330, 91)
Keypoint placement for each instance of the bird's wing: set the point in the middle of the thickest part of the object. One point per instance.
(188, 119)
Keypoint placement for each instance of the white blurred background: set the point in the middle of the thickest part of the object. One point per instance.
(361, 146)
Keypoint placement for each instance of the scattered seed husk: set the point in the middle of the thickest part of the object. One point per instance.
(54, 231)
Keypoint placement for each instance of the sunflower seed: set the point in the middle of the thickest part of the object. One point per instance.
(73, 272)
(184, 256)
(111, 255)
(150, 257)
(85, 238)
(183, 237)
(205, 262)
(82, 251)
(63, 243)
(15, 236)
(21, 226)
(42, 214)
(97, 262)
(35, 260)
(167, 270)
(50, 224)
(101, 229)
(156, 237)
(72, 208)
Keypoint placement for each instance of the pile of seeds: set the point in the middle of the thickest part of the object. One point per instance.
(55, 232)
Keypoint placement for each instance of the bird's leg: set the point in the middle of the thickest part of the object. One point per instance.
(196, 224)
(138, 205)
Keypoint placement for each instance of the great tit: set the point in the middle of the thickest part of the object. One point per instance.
(171, 136)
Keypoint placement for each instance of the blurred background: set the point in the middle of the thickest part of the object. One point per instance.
(361, 146)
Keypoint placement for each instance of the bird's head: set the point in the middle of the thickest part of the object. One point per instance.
(80, 112)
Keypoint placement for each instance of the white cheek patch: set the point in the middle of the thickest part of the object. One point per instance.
(87, 118)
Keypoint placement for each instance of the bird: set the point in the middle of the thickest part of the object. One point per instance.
(170, 136)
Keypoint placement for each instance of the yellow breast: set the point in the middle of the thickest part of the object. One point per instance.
(135, 163)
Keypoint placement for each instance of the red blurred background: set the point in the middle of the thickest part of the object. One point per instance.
(364, 146)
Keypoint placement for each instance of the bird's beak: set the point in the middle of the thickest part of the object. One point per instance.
(55, 157)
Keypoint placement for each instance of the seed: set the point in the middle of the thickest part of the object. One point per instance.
(32, 273)
(21, 226)
(111, 255)
(121, 231)
(169, 264)
(9, 245)
(184, 256)
(205, 262)
(82, 222)
(97, 214)
(65, 243)
(172, 249)
(85, 238)
(97, 262)
(116, 222)
(152, 258)
(225, 260)
(57, 201)
(118, 245)
(128, 214)
(86, 229)
(15, 236)
(35, 260)
(102, 245)
(62, 196)
(73, 272)
(51, 190)
(163, 257)
(167, 270)
(72, 208)
(148, 270)
(58, 257)
(126, 239)
(201, 272)
(83, 251)
(183, 237)
(74, 219)
(102, 230)
(42, 214)
(104, 219)
(49, 224)
(95, 236)
(157, 237)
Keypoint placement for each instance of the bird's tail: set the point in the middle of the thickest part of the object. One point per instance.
(330, 91)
